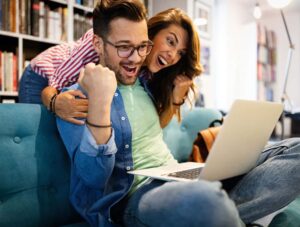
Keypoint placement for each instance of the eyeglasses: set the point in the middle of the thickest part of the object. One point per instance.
(125, 51)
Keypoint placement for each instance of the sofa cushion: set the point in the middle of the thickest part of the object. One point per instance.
(180, 136)
(34, 169)
(290, 216)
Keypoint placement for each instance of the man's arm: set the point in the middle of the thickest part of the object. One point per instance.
(100, 84)
(92, 147)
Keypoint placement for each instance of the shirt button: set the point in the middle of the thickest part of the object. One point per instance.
(116, 94)
(123, 118)
(126, 146)
(128, 168)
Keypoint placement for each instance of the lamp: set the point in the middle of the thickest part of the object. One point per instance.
(257, 11)
(279, 4)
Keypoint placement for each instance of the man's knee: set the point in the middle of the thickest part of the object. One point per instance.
(190, 204)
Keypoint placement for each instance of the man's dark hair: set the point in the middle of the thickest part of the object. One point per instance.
(108, 10)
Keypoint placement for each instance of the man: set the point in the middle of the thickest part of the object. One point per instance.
(122, 132)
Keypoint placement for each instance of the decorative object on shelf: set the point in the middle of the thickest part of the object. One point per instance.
(202, 18)
(280, 4)
(257, 11)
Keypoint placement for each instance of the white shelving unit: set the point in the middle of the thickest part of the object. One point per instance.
(25, 46)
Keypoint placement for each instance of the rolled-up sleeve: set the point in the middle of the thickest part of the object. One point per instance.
(94, 163)
(89, 146)
(91, 163)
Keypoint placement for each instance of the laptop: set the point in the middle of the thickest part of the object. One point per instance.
(243, 135)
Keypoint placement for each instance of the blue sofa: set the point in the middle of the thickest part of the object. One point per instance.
(34, 166)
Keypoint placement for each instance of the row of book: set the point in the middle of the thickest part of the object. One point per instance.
(266, 55)
(35, 18)
(87, 3)
(81, 25)
(266, 37)
(265, 92)
(8, 72)
(266, 62)
(8, 18)
(39, 19)
(266, 73)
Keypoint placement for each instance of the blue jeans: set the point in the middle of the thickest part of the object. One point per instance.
(31, 86)
(273, 184)
(199, 203)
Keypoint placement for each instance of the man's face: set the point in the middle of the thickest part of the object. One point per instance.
(124, 33)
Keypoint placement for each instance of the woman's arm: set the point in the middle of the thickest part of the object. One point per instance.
(182, 85)
(66, 105)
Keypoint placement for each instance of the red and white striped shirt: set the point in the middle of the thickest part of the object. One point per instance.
(61, 64)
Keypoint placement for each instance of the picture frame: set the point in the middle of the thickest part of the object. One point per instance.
(202, 12)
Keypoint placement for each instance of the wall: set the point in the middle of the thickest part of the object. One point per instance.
(158, 5)
(233, 51)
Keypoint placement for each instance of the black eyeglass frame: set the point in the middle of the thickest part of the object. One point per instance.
(149, 45)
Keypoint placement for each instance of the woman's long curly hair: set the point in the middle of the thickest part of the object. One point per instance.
(161, 84)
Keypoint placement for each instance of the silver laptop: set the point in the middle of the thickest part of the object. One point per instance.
(243, 135)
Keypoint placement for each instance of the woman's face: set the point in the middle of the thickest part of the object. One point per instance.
(169, 46)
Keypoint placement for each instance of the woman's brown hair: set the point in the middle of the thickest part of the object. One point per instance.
(162, 83)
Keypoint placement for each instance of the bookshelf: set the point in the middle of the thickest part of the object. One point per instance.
(28, 27)
(266, 63)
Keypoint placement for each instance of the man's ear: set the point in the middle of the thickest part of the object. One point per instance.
(98, 44)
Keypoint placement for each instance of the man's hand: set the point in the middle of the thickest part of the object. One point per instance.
(99, 82)
(69, 108)
(182, 85)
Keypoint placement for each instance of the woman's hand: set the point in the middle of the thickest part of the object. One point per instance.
(182, 85)
(68, 108)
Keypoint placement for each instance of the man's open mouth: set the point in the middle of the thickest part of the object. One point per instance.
(132, 70)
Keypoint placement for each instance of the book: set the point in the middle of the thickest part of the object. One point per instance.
(1, 74)
(35, 12)
(22, 17)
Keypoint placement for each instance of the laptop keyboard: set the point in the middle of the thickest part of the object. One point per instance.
(187, 174)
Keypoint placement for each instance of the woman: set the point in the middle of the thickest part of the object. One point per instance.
(173, 63)
(169, 89)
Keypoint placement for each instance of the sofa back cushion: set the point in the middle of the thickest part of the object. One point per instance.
(179, 136)
(34, 169)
